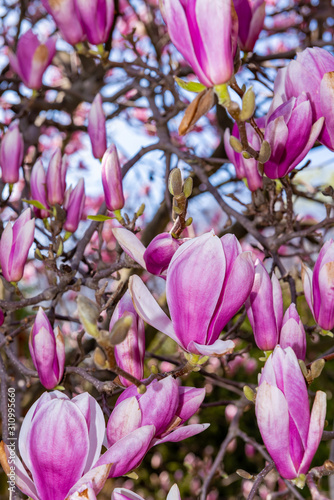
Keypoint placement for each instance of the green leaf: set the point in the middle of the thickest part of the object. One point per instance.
(36, 204)
(99, 218)
(191, 86)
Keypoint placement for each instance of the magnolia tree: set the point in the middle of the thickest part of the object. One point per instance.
(167, 267)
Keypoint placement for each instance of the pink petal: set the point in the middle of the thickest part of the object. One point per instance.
(307, 284)
(124, 419)
(128, 452)
(181, 433)
(148, 309)
(94, 417)
(130, 244)
(95, 478)
(273, 421)
(195, 276)
(58, 448)
(218, 348)
(22, 480)
(316, 428)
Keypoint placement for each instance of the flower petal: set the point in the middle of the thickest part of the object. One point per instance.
(148, 308)
(218, 348)
(273, 420)
(181, 433)
(130, 244)
(315, 430)
(128, 452)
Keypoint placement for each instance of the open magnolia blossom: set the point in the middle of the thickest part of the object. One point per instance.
(60, 444)
(203, 293)
(206, 35)
(165, 405)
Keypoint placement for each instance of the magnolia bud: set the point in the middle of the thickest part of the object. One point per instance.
(236, 144)
(120, 330)
(248, 105)
(265, 152)
(175, 182)
(188, 187)
(100, 359)
(88, 314)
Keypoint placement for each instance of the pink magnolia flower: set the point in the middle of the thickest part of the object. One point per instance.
(291, 434)
(11, 153)
(130, 353)
(55, 178)
(97, 127)
(47, 350)
(112, 179)
(293, 333)
(165, 405)
(245, 168)
(74, 204)
(206, 35)
(291, 133)
(60, 443)
(311, 72)
(32, 58)
(15, 243)
(319, 286)
(265, 308)
(65, 16)
(251, 14)
(203, 292)
(38, 188)
(102, 12)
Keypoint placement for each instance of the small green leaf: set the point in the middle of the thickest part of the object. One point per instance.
(191, 86)
(36, 204)
(100, 218)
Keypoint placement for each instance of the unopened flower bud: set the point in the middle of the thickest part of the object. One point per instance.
(265, 152)
(97, 128)
(74, 204)
(11, 153)
(175, 182)
(15, 243)
(246, 155)
(100, 359)
(47, 351)
(249, 393)
(120, 330)
(188, 187)
(112, 180)
(293, 333)
(248, 105)
(88, 314)
(55, 179)
(236, 144)
(317, 367)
